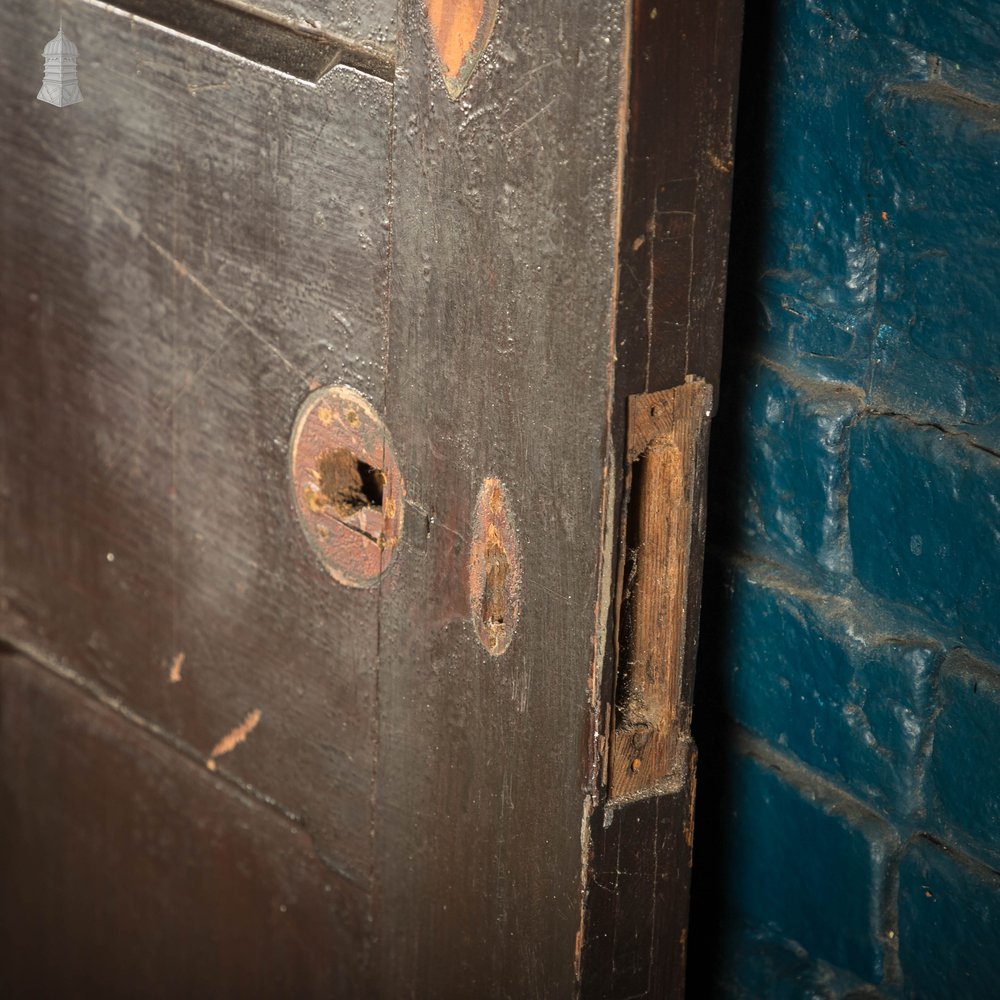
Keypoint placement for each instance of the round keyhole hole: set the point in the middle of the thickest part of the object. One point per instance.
(347, 483)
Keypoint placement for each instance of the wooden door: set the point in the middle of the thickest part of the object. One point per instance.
(356, 361)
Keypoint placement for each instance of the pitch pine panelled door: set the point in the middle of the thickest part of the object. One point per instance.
(356, 360)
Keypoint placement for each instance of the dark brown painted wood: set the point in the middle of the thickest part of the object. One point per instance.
(370, 23)
(129, 870)
(180, 271)
(676, 191)
(300, 50)
(637, 901)
(503, 250)
(186, 256)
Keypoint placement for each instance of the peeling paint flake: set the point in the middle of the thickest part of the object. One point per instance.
(234, 738)
(176, 665)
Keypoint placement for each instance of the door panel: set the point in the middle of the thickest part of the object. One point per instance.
(194, 248)
(158, 878)
(371, 23)
(498, 366)
(368, 25)
(313, 789)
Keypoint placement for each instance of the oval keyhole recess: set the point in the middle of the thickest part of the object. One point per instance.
(347, 487)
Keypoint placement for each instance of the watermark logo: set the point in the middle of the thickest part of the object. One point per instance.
(60, 86)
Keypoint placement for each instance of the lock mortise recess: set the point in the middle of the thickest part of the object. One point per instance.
(659, 596)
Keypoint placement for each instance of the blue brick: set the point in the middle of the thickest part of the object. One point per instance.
(949, 926)
(867, 258)
(808, 177)
(757, 964)
(792, 466)
(937, 337)
(876, 247)
(806, 864)
(963, 34)
(817, 675)
(965, 789)
(923, 512)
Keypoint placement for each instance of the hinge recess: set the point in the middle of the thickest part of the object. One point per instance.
(659, 595)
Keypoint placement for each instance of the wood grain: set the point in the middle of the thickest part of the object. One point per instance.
(188, 254)
(499, 355)
(369, 22)
(128, 870)
(667, 445)
(676, 192)
(281, 45)
(185, 257)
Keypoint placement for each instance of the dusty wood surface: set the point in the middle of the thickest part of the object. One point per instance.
(371, 22)
(677, 186)
(667, 441)
(637, 903)
(306, 50)
(179, 272)
(129, 870)
(503, 247)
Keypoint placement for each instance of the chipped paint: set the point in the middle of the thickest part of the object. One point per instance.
(176, 665)
(461, 30)
(234, 738)
(494, 569)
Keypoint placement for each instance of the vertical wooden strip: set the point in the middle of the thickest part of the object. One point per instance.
(499, 366)
(684, 70)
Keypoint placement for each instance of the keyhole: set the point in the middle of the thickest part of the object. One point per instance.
(347, 484)
(495, 590)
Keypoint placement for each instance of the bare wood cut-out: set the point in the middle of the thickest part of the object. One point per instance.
(667, 437)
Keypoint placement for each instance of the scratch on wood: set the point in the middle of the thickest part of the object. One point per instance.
(194, 89)
(182, 269)
(692, 789)
(234, 738)
(188, 378)
(175, 668)
(527, 121)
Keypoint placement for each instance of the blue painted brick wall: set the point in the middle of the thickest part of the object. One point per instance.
(799, 845)
(848, 703)
(829, 683)
(792, 471)
(924, 513)
(949, 923)
(964, 772)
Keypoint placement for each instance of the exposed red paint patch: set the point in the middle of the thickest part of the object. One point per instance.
(461, 29)
(347, 486)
